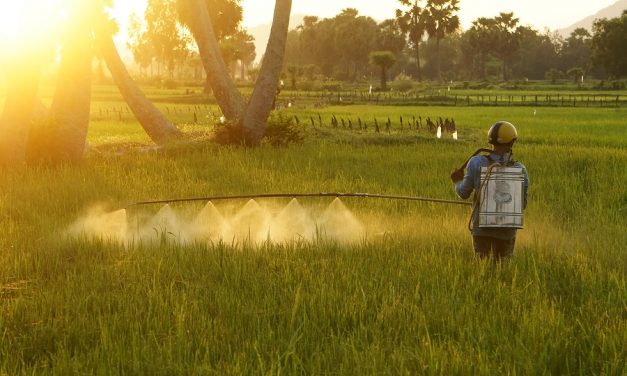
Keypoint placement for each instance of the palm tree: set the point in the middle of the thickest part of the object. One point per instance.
(71, 104)
(508, 37)
(15, 122)
(253, 116)
(441, 21)
(262, 100)
(412, 22)
(385, 60)
(156, 125)
(194, 15)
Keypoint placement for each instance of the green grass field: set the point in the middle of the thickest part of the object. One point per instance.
(408, 299)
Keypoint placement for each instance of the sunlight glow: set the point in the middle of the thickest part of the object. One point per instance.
(25, 25)
(9, 20)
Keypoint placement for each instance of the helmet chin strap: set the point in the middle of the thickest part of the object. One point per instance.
(504, 149)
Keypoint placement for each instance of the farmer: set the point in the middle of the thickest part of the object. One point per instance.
(487, 241)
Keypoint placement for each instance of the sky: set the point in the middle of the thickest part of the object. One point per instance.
(541, 14)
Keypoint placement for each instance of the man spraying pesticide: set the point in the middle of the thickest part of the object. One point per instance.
(500, 187)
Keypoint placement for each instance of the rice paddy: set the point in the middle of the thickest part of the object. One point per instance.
(405, 296)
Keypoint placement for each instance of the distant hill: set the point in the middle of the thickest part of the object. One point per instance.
(612, 11)
(261, 33)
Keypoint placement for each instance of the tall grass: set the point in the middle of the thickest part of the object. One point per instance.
(409, 299)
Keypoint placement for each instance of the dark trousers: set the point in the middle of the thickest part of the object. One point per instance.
(486, 247)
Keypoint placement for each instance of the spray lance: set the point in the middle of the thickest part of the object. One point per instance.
(322, 194)
(297, 195)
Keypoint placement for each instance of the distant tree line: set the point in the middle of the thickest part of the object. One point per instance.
(424, 41)
(163, 47)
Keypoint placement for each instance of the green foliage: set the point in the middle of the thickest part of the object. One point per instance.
(226, 15)
(576, 50)
(279, 132)
(412, 20)
(282, 132)
(538, 53)
(553, 75)
(384, 60)
(608, 45)
(520, 51)
(159, 36)
(576, 74)
(442, 20)
(332, 86)
(391, 37)
(294, 72)
(339, 46)
(403, 83)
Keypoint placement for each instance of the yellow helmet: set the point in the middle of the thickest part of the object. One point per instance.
(502, 133)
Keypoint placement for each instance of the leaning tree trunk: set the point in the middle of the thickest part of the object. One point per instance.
(151, 119)
(228, 97)
(262, 98)
(18, 108)
(70, 110)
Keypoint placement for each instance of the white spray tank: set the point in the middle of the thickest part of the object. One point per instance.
(501, 200)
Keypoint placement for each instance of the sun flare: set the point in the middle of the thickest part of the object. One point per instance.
(25, 24)
(9, 20)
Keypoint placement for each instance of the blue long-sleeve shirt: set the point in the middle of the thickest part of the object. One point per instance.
(472, 183)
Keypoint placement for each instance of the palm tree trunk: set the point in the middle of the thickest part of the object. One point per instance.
(505, 70)
(418, 61)
(16, 118)
(160, 129)
(260, 104)
(70, 108)
(384, 79)
(228, 97)
(437, 54)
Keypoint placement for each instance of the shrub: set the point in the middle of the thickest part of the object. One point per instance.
(169, 84)
(280, 132)
(402, 85)
(308, 86)
(332, 86)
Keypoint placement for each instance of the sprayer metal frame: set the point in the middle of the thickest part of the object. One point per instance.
(299, 195)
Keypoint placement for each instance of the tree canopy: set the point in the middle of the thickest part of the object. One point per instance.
(608, 45)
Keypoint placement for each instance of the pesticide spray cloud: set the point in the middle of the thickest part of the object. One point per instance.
(102, 224)
(253, 223)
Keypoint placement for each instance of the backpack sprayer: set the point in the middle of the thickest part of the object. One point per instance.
(499, 199)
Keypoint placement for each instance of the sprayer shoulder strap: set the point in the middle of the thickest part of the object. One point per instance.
(492, 161)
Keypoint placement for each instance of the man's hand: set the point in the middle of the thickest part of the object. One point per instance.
(457, 175)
